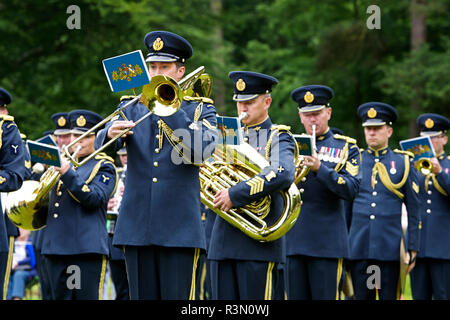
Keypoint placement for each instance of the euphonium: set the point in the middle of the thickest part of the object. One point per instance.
(231, 164)
(27, 208)
(424, 166)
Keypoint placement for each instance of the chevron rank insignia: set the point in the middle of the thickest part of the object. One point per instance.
(256, 185)
(352, 169)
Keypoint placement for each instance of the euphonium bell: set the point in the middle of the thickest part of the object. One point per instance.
(424, 166)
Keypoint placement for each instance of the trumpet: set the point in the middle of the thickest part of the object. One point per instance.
(424, 166)
(163, 97)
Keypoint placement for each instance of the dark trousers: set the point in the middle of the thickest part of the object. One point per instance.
(363, 274)
(243, 280)
(76, 277)
(44, 280)
(162, 273)
(4, 275)
(119, 278)
(430, 279)
(311, 278)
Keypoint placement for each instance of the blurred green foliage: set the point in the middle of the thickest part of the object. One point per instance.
(49, 68)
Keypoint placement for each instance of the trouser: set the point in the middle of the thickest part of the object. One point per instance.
(162, 273)
(370, 277)
(430, 279)
(243, 280)
(119, 278)
(17, 283)
(77, 277)
(312, 278)
(44, 280)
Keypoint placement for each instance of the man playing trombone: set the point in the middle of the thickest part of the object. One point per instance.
(159, 226)
(430, 278)
(75, 242)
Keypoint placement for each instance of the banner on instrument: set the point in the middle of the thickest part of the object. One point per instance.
(48, 139)
(126, 71)
(44, 153)
(421, 147)
(229, 130)
(305, 144)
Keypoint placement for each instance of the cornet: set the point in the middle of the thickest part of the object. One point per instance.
(424, 166)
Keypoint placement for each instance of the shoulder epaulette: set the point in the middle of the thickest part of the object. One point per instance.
(104, 156)
(448, 157)
(119, 170)
(408, 153)
(203, 99)
(280, 127)
(122, 98)
(341, 137)
(361, 149)
(6, 117)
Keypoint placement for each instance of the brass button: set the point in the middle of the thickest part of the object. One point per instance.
(155, 180)
(55, 215)
(372, 217)
(56, 204)
(157, 150)
(155, 164)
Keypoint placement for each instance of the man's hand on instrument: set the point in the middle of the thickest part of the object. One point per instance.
(436, 166)
(222, 200)
(118, 126)
(312, 162)
(65, 166)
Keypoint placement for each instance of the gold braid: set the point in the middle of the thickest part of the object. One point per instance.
(384, 176)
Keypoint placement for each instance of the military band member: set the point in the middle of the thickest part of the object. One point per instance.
(318, 242)
(62, 136)
(430, 278)
(388, 180)
(12, 173)
(242, 267)
(159, 225)
(116, 256)
(75, 243)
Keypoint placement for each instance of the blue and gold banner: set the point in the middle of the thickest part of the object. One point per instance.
(44, 153)
(304, 143)
(420, 146)
(229, 130)
(126, 71)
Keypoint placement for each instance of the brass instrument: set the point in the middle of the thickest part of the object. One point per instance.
(424, 166)
(162, 96)
(301, 170)
(27, 207)
(231, 164)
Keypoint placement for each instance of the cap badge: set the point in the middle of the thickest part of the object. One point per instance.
(372, 113)
(158, 44)
(240, 85)
(61, 121)
(429, 123)
(81, 121)
(308, 97)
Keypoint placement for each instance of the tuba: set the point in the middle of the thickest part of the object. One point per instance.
(27, 207)
(231, 164)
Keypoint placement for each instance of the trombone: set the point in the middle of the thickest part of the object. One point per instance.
(162, 96)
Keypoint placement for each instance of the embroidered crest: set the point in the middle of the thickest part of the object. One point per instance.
(81, 121)
(61, 121)
(85, 188)
(429, 123)
(158, 44)
(372, 113)
(341, 180)
(104, 179)
(240, 85)
(14, 148)
(270, 176)
(308, 97)
(2, 179)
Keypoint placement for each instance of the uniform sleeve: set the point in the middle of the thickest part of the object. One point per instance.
(278, 176)
(443, 178)
(411, 192)
(199, 139)
(344, 183)
(12, 158)
(96, 192)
